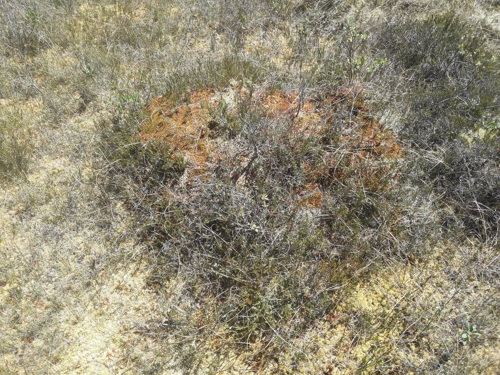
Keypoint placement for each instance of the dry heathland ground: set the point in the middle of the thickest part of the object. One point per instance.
(251, 186)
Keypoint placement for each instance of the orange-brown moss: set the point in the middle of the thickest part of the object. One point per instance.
(364, 151)
(183, 127)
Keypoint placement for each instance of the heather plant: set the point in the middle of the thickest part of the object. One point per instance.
(467, 175)
(15, 143)
(24, 30)
(263, 225)
(452, 76)
(453, 83)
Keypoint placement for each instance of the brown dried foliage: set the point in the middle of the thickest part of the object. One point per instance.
(361, 148)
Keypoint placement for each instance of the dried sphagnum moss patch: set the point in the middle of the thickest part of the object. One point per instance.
(194, 132)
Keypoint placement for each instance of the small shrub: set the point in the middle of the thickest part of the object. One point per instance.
(215, 73)
(273, 194)
(448, 101)
(148, 164)
(15, 145)
(453, 76)
(468, 177)
(23, 30)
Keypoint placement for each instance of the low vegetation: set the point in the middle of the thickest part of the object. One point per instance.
(249, 187)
